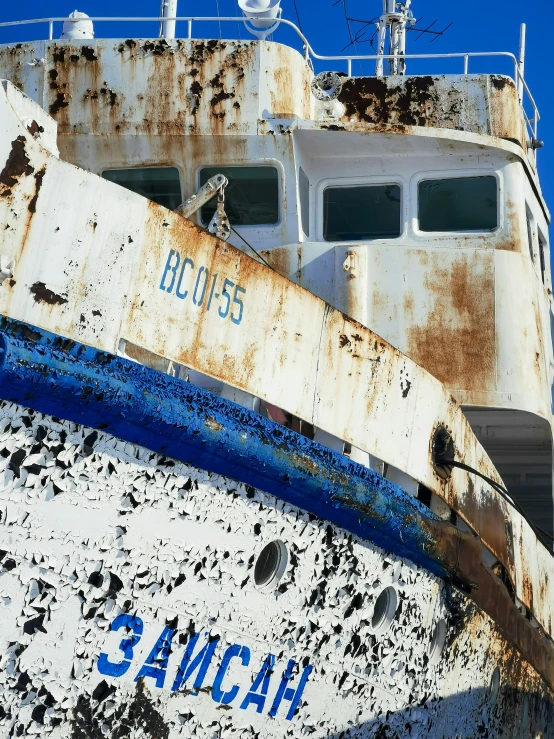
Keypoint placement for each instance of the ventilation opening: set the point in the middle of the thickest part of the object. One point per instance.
(436, 644)
(384, 611)
(271, 564)
(494, 686)
(442, 447)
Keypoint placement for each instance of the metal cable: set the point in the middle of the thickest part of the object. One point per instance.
(499, 489)
(251, 247)
(298, 17)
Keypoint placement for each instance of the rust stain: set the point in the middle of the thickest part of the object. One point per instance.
(17, 164)
(414, 102)
(457, 343)
(39, 176)
(59, 103)
(43, 295)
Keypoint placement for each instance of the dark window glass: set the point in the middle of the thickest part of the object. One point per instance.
(542, 253)
(361, 212)
(461, 204)
(251, 197)
(530, 236)
(159, 184)
(304, 186)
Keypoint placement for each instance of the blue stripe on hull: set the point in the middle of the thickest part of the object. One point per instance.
(171, 417)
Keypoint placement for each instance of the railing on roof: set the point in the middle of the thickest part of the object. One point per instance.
(309, 53)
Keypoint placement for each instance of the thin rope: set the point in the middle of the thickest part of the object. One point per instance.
(251, 247)
(298, 17)
(238, 14)
(219, 16)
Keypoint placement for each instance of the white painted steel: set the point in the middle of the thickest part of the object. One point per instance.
(348, 59)
(169, 13)
(103, 253)
(77, 26)
(182, 543)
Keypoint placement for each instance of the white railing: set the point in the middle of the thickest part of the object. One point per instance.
(309, 53)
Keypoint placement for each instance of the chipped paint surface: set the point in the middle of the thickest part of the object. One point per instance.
(484, 104)
(114, 278)
(93, 528)
(140, 405)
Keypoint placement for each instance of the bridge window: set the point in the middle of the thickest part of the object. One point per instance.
(530, 233)
(251, 197)
(159, 184)
(361, 212)
(458, 204)
(304, 187)
(543, 250)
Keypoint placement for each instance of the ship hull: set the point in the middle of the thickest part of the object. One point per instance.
(130, 609)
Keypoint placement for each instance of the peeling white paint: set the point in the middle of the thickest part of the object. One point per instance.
(180, 545)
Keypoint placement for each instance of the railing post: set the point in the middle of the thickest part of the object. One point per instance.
(466, 64)
(349, 67)
(50, 30)
(521, 61)
(189, 29)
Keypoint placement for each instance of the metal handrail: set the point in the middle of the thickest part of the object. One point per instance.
(308, 50)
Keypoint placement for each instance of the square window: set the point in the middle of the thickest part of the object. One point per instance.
(159, 184)
(458, 204)
(361, 212)
(251, 197)
(304, 187)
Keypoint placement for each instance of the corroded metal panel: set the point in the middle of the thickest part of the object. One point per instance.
(74, 558)
(161, 88)
(475, 103)
(98, 264)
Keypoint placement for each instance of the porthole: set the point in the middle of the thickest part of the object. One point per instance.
(494, 686)
(384, 611)
(442, 448)
(436, 645)
(271, 564)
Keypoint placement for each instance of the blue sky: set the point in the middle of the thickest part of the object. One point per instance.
(476, 26)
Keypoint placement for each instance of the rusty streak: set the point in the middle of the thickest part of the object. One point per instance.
(43, 295)
(18, 163)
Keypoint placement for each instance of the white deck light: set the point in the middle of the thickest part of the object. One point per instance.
(78, 25)
(261, 10)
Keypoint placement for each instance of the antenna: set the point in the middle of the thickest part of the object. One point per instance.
(168, 10)
(396, 18)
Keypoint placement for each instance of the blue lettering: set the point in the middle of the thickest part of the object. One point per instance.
(214, 278)
(117, 669)
(238, 301)
(178, 292)
(225, 294)
(156, 662)
(195, 299)
(200, 662)
(243, 653)
(262, 679)
(170, 268)
(289, 694)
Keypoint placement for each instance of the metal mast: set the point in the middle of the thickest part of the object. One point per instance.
(168, 10)
(396, 17)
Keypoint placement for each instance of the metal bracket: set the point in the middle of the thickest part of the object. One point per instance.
(219, 225)
(6, 269)
(202, 196)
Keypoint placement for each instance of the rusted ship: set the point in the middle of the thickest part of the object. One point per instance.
(276, 375)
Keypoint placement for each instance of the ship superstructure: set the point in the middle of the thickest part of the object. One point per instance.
(318, 444)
